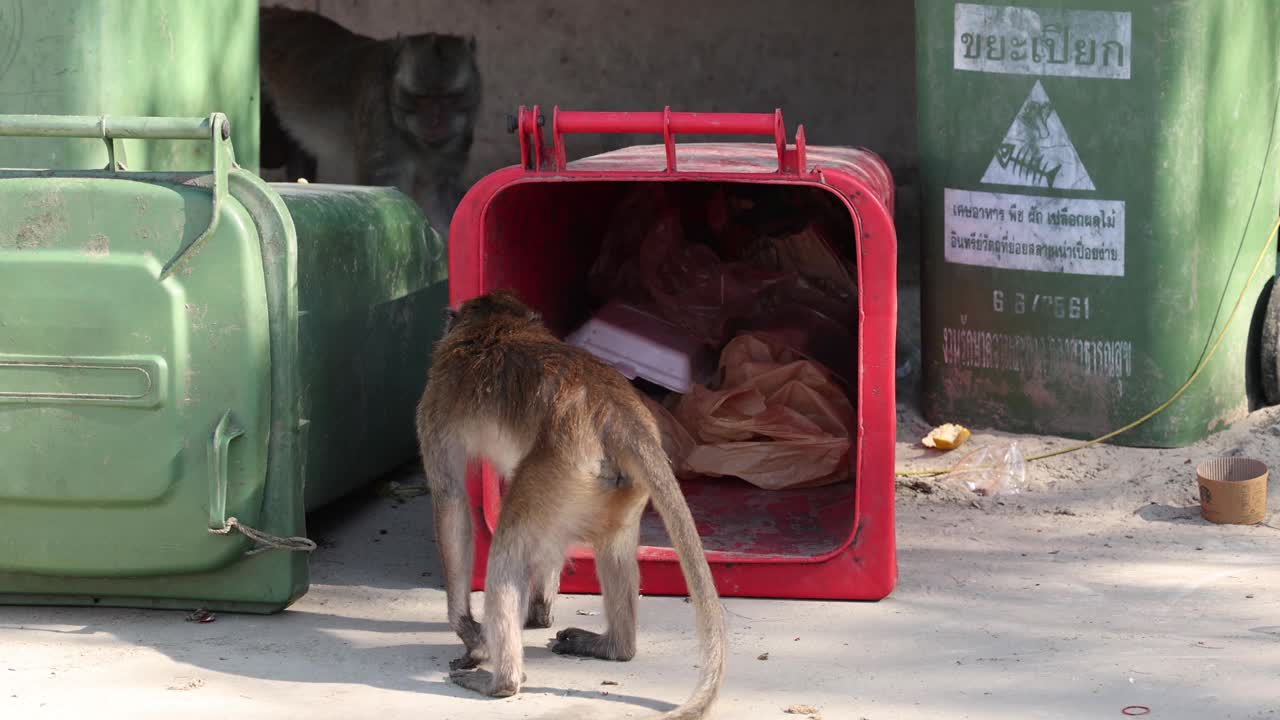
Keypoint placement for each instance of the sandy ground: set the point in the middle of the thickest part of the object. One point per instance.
(1099, 589)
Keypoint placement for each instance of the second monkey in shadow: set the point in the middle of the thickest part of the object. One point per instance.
(398, 112)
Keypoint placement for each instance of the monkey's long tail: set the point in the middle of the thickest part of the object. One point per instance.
(647, 460)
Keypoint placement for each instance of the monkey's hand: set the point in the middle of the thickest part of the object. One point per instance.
(539, 614)
(473, 639)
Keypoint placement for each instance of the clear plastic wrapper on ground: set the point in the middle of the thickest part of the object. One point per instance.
(998, 469)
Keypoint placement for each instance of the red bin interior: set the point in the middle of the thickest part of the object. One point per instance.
(538, 234)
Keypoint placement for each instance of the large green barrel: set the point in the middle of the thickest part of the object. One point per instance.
(372, 288)
(173, 58)
(1099, 179)
(178, 349)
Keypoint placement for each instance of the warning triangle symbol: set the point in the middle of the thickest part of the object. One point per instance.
(1036, 151)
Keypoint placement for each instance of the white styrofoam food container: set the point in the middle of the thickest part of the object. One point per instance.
(643, 345)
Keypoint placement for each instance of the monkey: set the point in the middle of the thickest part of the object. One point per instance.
(582, 457)
(399, 112)
(279, 150)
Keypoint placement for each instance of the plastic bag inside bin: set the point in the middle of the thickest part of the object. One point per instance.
(758, 276)
(777, 420)
(719, 262)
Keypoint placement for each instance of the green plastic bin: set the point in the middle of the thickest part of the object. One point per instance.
(1098, 180)
(177, 349)
(172, 58)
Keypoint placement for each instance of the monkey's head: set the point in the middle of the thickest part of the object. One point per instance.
(498, 305)
(437, 87)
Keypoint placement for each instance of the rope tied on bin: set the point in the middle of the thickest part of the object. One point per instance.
(265, 541)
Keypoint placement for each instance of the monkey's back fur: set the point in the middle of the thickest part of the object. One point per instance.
(503, 352)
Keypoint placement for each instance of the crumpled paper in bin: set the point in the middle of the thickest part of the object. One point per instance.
(776, 420)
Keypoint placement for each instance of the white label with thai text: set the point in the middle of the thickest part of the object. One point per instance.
(1076, 236)
(1041, 41)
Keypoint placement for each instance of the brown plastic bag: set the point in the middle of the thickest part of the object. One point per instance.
(642, 212)
(694, 289)
(650, 259)
(776, 421)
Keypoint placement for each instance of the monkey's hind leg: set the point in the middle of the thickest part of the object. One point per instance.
(445, 465)
(529, 539)
(619, 574)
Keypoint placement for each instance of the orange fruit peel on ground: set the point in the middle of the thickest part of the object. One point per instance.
(946, 437)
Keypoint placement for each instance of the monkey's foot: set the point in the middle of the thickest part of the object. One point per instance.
(484, 682)
(584, 643)
(466, 662)
(539, 614)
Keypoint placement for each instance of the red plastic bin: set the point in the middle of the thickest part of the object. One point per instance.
(535, 228)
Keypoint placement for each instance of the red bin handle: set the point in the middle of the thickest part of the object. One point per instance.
(668, 124)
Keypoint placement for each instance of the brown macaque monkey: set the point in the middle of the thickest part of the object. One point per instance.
(582, 457)
(279, 150)
(398, 112)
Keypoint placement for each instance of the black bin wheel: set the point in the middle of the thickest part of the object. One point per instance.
(1269, 347)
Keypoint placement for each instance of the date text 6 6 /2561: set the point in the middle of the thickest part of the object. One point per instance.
(1061, 307)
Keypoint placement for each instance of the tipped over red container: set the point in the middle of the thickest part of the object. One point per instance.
(537, 228)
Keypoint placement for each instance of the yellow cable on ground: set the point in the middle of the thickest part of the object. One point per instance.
(1162, 406)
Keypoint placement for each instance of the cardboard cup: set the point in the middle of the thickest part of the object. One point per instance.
(1233, 490)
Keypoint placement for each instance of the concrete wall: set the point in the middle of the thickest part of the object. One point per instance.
(845, 68)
